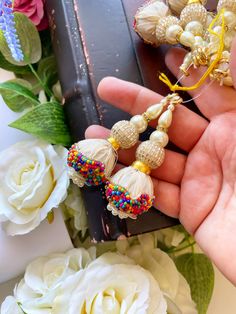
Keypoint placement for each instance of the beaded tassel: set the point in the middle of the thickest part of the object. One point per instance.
(208, 39)
(130, 191)
(91, 161)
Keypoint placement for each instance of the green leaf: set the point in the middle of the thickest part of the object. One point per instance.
(199, 273)
(4, 64)
(17, 95)
(46, 121)
(47, 71)
(29, 39)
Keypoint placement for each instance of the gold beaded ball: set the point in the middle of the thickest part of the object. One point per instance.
(163, 25)
(193, 12)
(227, 4)
(151, 154)
(125, 133)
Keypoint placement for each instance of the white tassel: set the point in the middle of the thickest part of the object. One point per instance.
(136, 183)
(147, 18)
(98, 150)
(177, 6)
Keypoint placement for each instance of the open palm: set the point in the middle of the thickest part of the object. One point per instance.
(198, 187)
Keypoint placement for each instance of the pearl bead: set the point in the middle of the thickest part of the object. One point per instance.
(187, 59)
(217, 29)
(140, 123)
(227, 4)
(198, 41)
(228, 81)
(228, 39)
(230, 19)
(154, 111)
(226, 54)
(187, 39)
(165, 119)
(186, 63)
(195, 28)
(159, 137)
(172, 34)
(171, 107)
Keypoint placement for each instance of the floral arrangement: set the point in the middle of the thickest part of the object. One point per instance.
(157, 273)
(132, 276)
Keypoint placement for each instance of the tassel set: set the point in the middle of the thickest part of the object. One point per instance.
(206, 35)
(130, 191)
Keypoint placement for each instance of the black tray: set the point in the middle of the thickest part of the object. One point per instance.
(93, 39)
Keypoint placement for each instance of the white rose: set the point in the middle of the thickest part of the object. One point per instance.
(33, 181)
(74, 208)
(170, 237)
(44, 276)
(161, 266)
(112, 284)
(10, 306)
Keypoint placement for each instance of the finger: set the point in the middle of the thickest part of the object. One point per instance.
(187, 127)
(171, 170)
(211, 99)
(127, 96)
(167, 197)
(233, 62)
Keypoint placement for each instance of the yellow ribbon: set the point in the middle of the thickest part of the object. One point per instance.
(176, 87)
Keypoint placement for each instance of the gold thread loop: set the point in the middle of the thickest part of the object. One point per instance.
(139, 165)
(114, 143)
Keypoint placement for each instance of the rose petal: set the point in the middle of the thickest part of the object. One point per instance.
(10, 306)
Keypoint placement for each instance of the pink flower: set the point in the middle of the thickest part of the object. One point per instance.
(34, 9)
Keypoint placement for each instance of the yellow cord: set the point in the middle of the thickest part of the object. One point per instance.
(176, 87)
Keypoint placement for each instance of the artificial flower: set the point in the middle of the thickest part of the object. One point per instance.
(143, 280)
(170, 237)
(10, 306)
(34, 10)
(74, 209)
(33, 181)
(44, 277)
(175, 288)
(7, 25)
(112, 284)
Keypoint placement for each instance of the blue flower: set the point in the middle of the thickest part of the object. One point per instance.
(7, 25)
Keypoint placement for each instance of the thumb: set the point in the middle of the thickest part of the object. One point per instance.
(233, 62)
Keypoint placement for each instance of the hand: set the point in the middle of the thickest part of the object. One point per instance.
(200, 187)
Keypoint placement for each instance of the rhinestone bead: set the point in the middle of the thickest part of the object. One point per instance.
(193, 12)
(125, 134)
(151, 154)
(163, 25)
(227, 4)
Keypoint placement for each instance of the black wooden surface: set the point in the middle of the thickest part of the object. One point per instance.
(93, 39)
